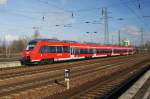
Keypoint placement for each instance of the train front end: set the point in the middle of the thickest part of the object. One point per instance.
(27, 54)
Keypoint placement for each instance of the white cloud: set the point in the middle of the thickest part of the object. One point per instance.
(2, 2)
(133, 30)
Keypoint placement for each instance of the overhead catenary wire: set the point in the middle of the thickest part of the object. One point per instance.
(139, 9)
(61, 9)
(81, 10)
(70, 11)
(135, 14)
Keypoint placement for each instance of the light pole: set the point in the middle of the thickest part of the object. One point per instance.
(119, 32)
(119, 38)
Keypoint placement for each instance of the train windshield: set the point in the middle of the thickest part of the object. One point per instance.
(31, 46)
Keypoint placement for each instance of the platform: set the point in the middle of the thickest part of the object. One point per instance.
(9, 64)
(140, 89)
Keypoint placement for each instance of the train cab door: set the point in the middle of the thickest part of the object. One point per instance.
(72, 52)
(94, 52)
(112, 52)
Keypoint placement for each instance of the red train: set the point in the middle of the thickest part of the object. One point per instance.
(42, 51)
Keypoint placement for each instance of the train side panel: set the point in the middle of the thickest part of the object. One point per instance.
(50, 51)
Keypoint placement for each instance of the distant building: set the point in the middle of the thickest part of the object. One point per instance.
(126, 42)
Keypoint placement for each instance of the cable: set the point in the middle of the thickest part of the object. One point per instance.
(47, 3)
(80, 10)
(139, 8)
(133, 12)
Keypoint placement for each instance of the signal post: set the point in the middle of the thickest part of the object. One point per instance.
(66, 76)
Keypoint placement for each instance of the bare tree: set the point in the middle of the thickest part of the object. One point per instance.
(18, 45)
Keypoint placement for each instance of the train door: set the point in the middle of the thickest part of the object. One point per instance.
(94, 52)
(112, 52)
(72, 52)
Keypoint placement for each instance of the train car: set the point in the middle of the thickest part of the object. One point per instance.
(43, 51)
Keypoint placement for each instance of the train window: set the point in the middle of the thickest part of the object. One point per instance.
(44, 49)
(116, 51)
(66, 49)
(31, 46)
(109, 51)
(120, 50)
(83, 51)
(59, 49)
(77, 51)
(103, 51)
(86, 51)
(124, 50)
(90, 51)
(98, 51)
(52, 49)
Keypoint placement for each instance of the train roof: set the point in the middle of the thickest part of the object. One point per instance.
(77, 44)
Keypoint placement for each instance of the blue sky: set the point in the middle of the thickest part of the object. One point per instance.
(18, 17)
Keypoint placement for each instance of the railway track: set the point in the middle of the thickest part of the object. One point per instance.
(20, 71)
(50, 79)
(24, 82)
(103, 88)
(106, 89)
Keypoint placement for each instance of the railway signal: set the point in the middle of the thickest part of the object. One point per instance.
(66, 76)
